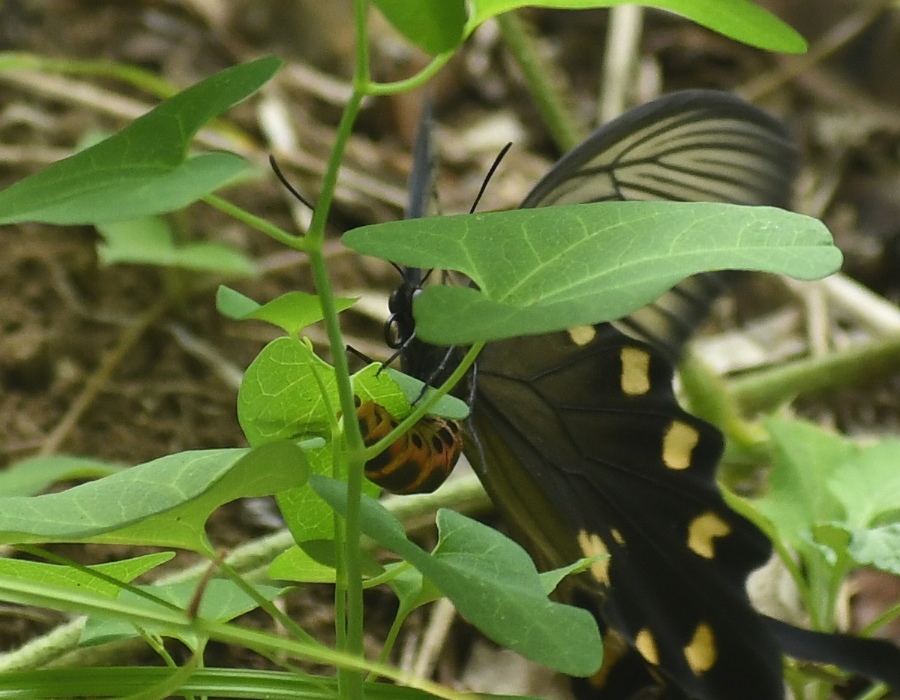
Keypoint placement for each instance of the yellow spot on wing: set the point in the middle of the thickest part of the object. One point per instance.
(703, 531)
(582, 335)
(614, 650)
(646, 645)
(700, 653)
(617, 536)
(635, 378)
(592, 546)
(678, 445)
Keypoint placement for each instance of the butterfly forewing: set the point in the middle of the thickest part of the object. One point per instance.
(693, 146)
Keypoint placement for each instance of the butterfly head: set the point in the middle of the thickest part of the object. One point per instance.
(400, 327)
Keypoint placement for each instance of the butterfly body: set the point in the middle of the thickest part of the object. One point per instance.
(579, 440)
(418, 461)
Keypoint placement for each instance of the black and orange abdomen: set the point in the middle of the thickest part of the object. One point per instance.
(420, 460)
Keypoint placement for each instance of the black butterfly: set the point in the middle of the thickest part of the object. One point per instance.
(581, 444)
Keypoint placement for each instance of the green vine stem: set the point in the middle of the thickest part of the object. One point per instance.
(348, 587)
(415, 81)
(766, 389)
(260, 224)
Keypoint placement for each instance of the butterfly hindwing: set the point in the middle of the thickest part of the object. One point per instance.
(589, 418)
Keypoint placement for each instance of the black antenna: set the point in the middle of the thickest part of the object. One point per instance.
(288, 186)
(489, 175)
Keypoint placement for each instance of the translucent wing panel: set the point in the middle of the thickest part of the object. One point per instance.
(693, 146)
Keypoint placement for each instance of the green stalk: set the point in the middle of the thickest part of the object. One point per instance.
(415, 81)
(266, 227)
(138, 77)
(348, 588)
(548, 99)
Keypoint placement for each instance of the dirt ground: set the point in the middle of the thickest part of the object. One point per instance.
(94, 361)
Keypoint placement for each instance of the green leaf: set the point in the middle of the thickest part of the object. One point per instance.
(399, 392)
(296, 408)
(296, 565)
(435, 26)
(738, 19)
(323, 551)
(491, 580)
(878, 547)
(165, 502)
(31, 476)
(291, 312)
(383, 389)
(279, 397)
(542, 270)
(806, 457)
(150, 241)
(143, 169)
(306, 515)
(446, 407)
(494, 584)
(551, 579)
(82, 580)
(867, 483)
(413, 590)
